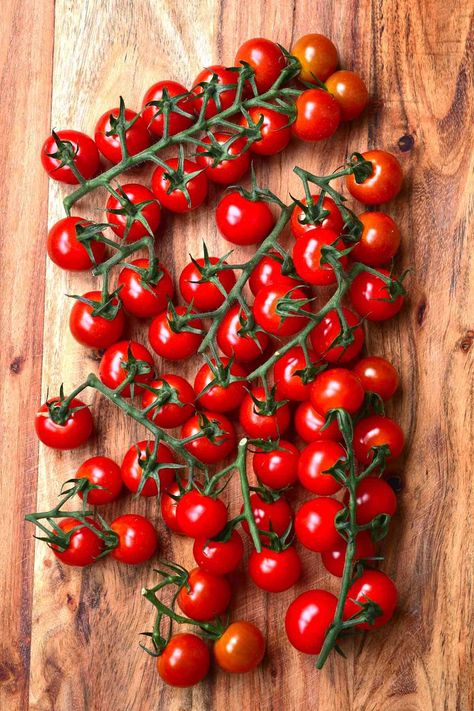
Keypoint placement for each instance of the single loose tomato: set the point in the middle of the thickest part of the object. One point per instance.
(374, 497)
(335, 559)
(275, 131)
(379, 241)
(266, 59)
(378, 376)
(350, 92)
(137, 539)
(307, 256)
(135, 465)
(143, 294)
(102, 472)
(168, 505)
(174, 187)
(315, 462)
(224, 172)
(243, 221)
(383, 184)
(324, 335)
(268, 271)
(218, 76)
(107, 139)
(163, 93)
(337, 388)
(308, 619)
(258, 421)
(185, 660)
(376, 431)
(235, 341)
(301, 220)
(371, 297)
(240, 649)
(375, 586)
(274, 515)
(219, 557)
(317, 55)
(63, 430)
(84, 545)
(212, 448)
(118, 361)
(198, 288)
(204, 596)
(76, 146)
(277, 468)
(134, 201)
(318, 115)
(268, 308)
(95, 331)
(66, 251)
(199, 515)
(275, 571)
(288, 374)
(174, 398)
(170, 340)
(315, 525)
(309, 424)
(220, 398)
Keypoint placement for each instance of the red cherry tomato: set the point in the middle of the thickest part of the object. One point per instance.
(74, 432)
(315, 461)
(103, 472)
(337, 388)
(379, 241)
(137, 539)
(141, 297)
(266, 59)
(371, 298)
(199, 515)
(219, 557)
(275, 571)
(277, 468)
(383, 184)
(137, 138)
(334, 560)
(350, 92)
(267, 272)
(240, 649)
(307, 256)
(374, 497)
(115, 366)
(205, 449)
(376, 586)
(83, 150)
(226, 172)
(318, 115)
(84, 545)
(268, 302)
(66, 251)
(378, 376)
(273, 516)
(154, 115)
(95, 331)
(135, 460)
(376, 431)
(168, 505)
(242, 346)
(224, 99)
(205, 596)
(243, 221)
(256, 423)
(124, 223)
(315, 525)
(185, 660)
(308, 618)
(329, 329)
(220, 398)
(275, 131)
(172, 344)
(175, 398)
(200, 291)
(172, 197)
(309, 423)
(317, 55)
(286, 372)
(333, 221)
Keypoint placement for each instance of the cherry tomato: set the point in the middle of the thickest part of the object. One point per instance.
(268, 302)
(315, 525)
(309, 423)
(333, 221)
(318, 115)
(334, 560)
(114, 366)
(273, 516)
(337, 388)
(277, 468)
(81, 147)
(267, 272)
(137, 138)
(137, 539)
(371, 298)
(103, 472)
(95, 331)
(379, 241)
(329, 329)
(307, 256)
(84, 545)
(308, 618)
(317, 55)
(205, 449)
(155, 120)
(168, 505)
(73, 433)
(145, 298)
(275, 131)
(243, 221)
(383, 184)
(244, 347)
(185, 660)
(240, 649)
(224, 99)
(176, 401)
(173, 198)
(266, 59)
(172, 344)
(66, 251)
(275, 571)
(350, 92)
(376, 586)
(199, 515)
(286, 372)
(200, 291)
(124, 223)
(226, 172)
(220, 398)
(374, 497)
(378, 376)
(134, 461)
(256, 423)
(205, 596)
(315, 461)
(376, 431)
(219, 557)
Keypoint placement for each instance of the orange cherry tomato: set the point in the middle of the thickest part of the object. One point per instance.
(241, 648)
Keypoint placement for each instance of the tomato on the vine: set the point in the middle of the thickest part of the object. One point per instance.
(84, 545)
(141, 297)
(307, 255)
(237, 343)
(318, 115)
(199, 515)
(204, 595)
(185, 660)
(383, 184)
(376, 431)
(275, 571)
(335, 559)
(134, 461)
(274, 515)
(317, 55)
(377, 376)
(219, 557)
(95, 331)
(287, 373)
(269, 301)
(137, 539)
(277, 468)
(107, 139)
(227, 171)
(202, 292)
(220, 398)
(223, 99)
(103, 472)
(333, 221)
(309, 424)
(370, 296)
(315, 461)
(257, 421)
(171, 343)
(123, 214)
(243, 221)
(275, 131)
(268, 271)
(308, 619)
(115, 365)
(315, 525)
(214, 448)
(66, 251)
(329, 329)
(375, 586)
(192, 191)
(374, 497)
(154, 116)
(240, 648)
(350, 92)
(176, 401)
(83, 151)
(75, 431)
(379, 241)
(337, 388)
(266, 59)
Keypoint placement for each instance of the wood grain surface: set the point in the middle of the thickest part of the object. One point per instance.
(69, 639)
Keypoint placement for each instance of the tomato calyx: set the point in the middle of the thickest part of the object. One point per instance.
(361, 168)
(165, 394)
(66, 153)
(119, 125)
(168, 105)
(180, 323)
(108, 307)
(269, 405)
(133, 212)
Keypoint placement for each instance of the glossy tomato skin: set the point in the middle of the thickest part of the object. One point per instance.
(185, 661)
(371, 298)
(337, 388)
(243, 348)
(383, 184)
(240, 649)
(374, 496)
(176, 200)
(103, 472)
(136, 194)
(227, 172)
(290, 385)
(112, 371)
(307, 255)
(333, 221)
(74, 433)
(350, 92)
(95, 331)
(275, 132)
(84, 546)
(225, 77)
(315, 460)
(375, 431)
(334, 560)
(132, 470)
(168, 506)
(266, 59)
(220, 398)
(309, 423)
(176, 122)
(170, 344)
(199, 515)
(219, 557)
(267, 272)
(86, 157)
(376, 586)
(66, 251)
(266, 304)
(379, 241)
(270, 515)
(308, 618)
(275, 571)
(317, 55)
(170, 414)
(207, 597)
(261, 426)
(138, 540)
(204, 295)
(325, 333)
(243, 221)
(137, 138)
(204, 449)
(377, 375)
(318, 116)
(315, 526)
(145, 300)
(277, 468)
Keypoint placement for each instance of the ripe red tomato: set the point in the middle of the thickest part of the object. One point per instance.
(333, 221)
(315, 461)
(266, 308)
(273, 516)
(185, 660)
(219, 557)
(337, 388)
(124, 222)
(256, 423)
(66, 251)
(204, 449)
(329, 329)
(243, 221)
(309, 423)
(290, 385)
(134, 461)
(307, 256)
(145, 298)
(240, 648)
(378, 376)
(224, 99)
(95, 331)
(155, 120)
(205, 596)
(371, 298)
(114, 366)
(308, 619)
(200, 291)
(226, 172)
(318, 115)
(220, 398)
(275, 571)
(199, 515)
(374, 497)
(317, 55)
(383, 184)
(73, 433)
(84, 546)
(172, 197)
(266, 59)
(137, 138)
(334, 560)
(83, 150)
(235, 343)
(315, 525)
(168, 505)
(103, 472)
(267, 272)
(172, 344)
(379, 241)
(275, 131)
(376, 431)
(376, 586)
(277, 468)
(137, 539)
(175, 398)
(350, 92)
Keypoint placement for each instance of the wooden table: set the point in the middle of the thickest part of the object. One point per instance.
(69, 639)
